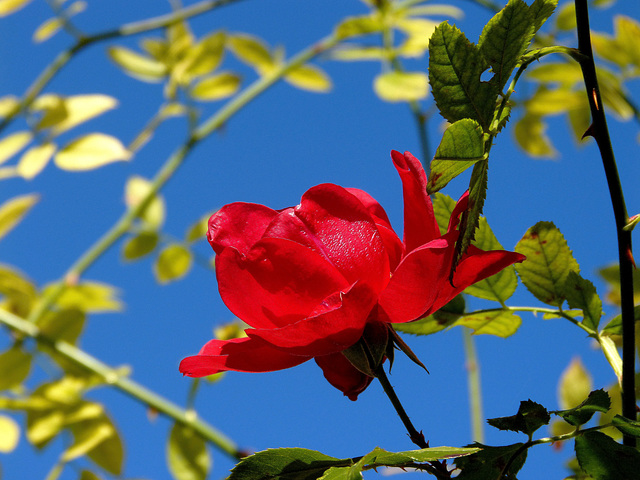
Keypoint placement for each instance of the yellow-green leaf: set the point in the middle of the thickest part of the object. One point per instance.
(109, 454)
(216, 87)
(199, 229)
(87, 436)
(187, 454)
(88, 475)
(173, 263)
(137, 65)
(33, 161)
(136, 190)
(140, 245)
(79, 109)
(574, 385)
(205, 56)
(530, 132)
(401, 86)
(501, 323)
(355, 26)
(12, 211)
(12, 144)
(18, 291)
(566, 16)
(47, 29)
(308, 77)
(9, 434)
(8, 104)
(91, 151)
(15, 365)
(251, 50)
(554, 102)
(65, 325)
(89, 297)
(7, 7)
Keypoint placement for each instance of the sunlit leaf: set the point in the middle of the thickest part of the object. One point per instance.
(91, 151)
(87, 436)
(356, 52)
(13, 211)
(7, 7)
(137, 65)
(436, 322)
(8, 104)
(382, 457)
(198, 229)
(574, 385)
(89, 297)
(100, 441)
(418, 31)
(252, 51)
(292, 463)
(18, 291)
(140, 245)
(187, 454)
(581, 293)
(75, 110)
(548, 263)
(216, 87)
(443, 206)
(15, 365)
(500, 323)
(554, 102)
(9, 434)
(206, 55)
(530, 133)
(47, 29)
(355, 26)
(33, 161)
(65, 325)
(13, 143)
(401, 86)
(137, 189)
(541, 10)
(309, 77)
(566, 16)
(173, 263)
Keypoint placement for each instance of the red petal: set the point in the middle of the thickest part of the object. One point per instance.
(238, 225)
(420, 224)
(461, 206)
(240, 355)
(277, 283)
(338, 327)
(341, 374)
(346, 233)
(372, 206)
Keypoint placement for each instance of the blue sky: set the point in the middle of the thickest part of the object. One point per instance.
(271, 152)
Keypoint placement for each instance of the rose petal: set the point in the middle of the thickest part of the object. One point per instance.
(372, 206)
(461, 206)
(342, 375)
(238, 225)
(277, 283)
(420, 224)
(240, 355)
(346, 233)
(331, 331)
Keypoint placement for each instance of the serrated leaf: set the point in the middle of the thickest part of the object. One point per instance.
(505, 38)
(581, 293)
(574, 386)
(285, 464)
(455, 67)
(530, 417)
(501, 323)
(548, 263)
(626, 426)
(443, 318)
(91, 151)
(489, 462)
(530, 134)
(443, 206)
(140, 245)
(216, 87)
(187, 454)
(461, 146)
(381, 457)
(7, 7)
(252, 51)
(614, 327)
(173, 263)
(597, 401)
(541, 10)
(401, 86)
(33, 161)
(15, 365)
(309, 77)
(13, 211)
(602, 458)
(89, 297)
(13, 143)
(471, 216)
(9, 434)
(137, 65)
(136, 190)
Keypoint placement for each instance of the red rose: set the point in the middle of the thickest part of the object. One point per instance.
(309, 279)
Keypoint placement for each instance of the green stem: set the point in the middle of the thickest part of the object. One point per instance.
(475, 391)
(600, 132)
(125, 30)
(111, 376)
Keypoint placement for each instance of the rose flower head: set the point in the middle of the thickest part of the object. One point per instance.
(318, 279)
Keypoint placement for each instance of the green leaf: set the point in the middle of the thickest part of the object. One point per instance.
(216, 87)
(530, 417)
(489, 462)
(13, 143)
(285, 464)
(9, 434)
(505, 38)
(356, 26)
(471, 216)
(566, 16)
(33, 161)
(108, 453)
(597, 401)
(443, 206)
(341, 473)
(455, 67)
(198, 230)
(581, 293)
(574, 386)
(309, 77)
(548, 263)
(65, 325)
(87, 436)
(602, 458)
(437, 321)
(501, 323)
(13, 211)
(461, 146)
(626, 426)
(61, 114)
(136, 190)
(554, 101)
(140, 245)
(137, 65)
(187, 454)
(91, 151)
(401, 86)
(252, 51)
(541, 10)
(502, 285)
(8, 104)
(381, 457)
(530, 132)
(15, 365)
(173, 262)
(89, 297)
(7, 7)
(614, 327)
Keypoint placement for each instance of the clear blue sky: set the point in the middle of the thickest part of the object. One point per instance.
(275, 149)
